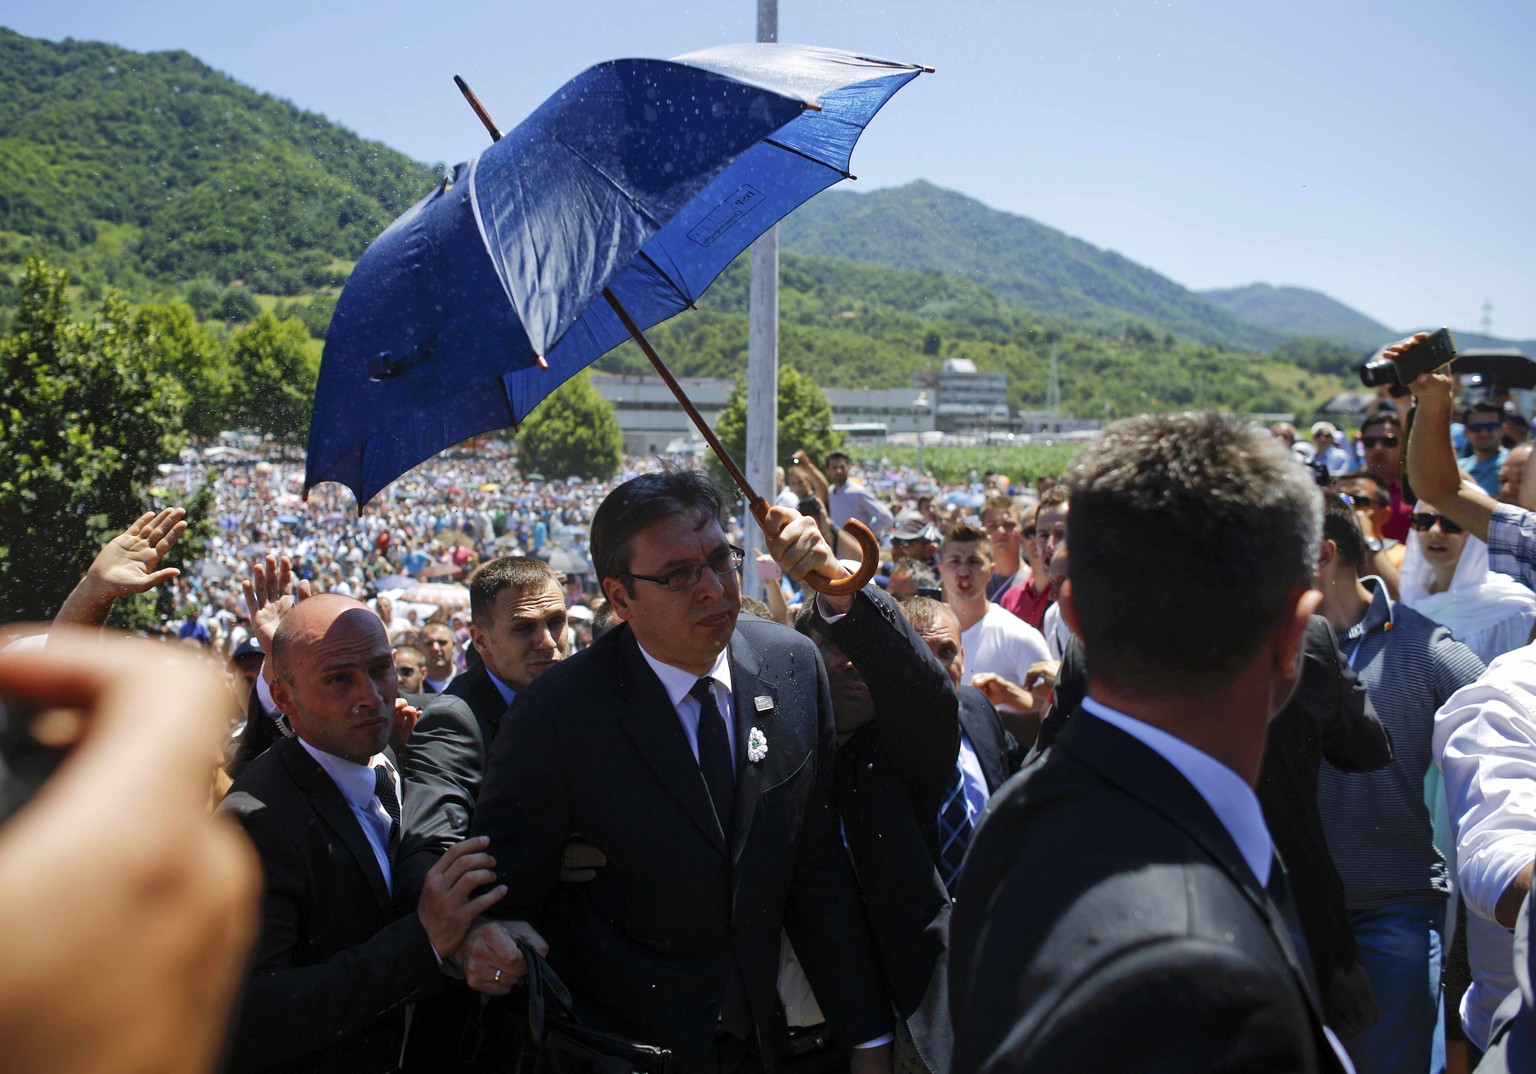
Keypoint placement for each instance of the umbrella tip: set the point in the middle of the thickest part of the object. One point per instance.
(542, 363)
(812, 106)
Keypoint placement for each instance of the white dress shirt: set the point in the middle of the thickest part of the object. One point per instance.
(1226, 792)
(357, 785)
(1485, 745)
(678, 682)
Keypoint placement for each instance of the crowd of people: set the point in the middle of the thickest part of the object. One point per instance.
(1195, 759)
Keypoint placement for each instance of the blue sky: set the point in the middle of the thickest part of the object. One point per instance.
(1377, 151)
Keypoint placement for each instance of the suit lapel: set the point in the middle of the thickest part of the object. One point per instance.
(982, 727)
(1142, 773)
(336, 814)
(747, 686)
(652, 725)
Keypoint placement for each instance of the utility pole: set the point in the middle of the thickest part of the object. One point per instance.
(763, 353)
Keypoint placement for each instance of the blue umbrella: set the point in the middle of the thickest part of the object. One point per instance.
(639, 179)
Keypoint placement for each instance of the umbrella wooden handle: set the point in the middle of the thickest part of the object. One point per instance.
(869, 549)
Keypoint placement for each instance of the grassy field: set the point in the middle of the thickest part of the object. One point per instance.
(954, 465)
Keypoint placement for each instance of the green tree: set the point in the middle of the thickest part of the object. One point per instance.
(805, 421)
(272, 378)
(573, 432)
(192, 355)
(85, 417)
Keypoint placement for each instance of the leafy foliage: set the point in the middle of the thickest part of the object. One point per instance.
(213, 178)
(572, 433)
(273, 387)
(85, 415)
(1024, 463)
(804, 421)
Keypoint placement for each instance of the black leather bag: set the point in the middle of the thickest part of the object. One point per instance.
(562, 1045)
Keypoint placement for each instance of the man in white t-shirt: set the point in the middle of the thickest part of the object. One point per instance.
(994, 640)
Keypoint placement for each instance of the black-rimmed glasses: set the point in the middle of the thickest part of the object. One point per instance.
(725, 562)
(1423, 521)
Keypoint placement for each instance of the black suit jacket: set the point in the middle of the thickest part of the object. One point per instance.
(997, 750)
(442, 767)
(594, 746)
(1329, 717)
(1106, 921)
(336, 963)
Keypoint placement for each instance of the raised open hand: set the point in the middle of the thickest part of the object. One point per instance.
(130, 562)
(269, 592)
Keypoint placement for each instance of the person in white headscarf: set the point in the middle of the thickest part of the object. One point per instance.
(1445, 576)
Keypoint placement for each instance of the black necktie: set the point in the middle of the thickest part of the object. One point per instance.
(384, 787)
(715, 758)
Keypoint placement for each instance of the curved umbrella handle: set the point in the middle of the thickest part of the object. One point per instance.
(869, 549)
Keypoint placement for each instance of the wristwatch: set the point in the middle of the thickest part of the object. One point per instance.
(1375, 544)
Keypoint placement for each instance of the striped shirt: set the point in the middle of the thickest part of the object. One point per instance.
(1512, 543)
(1378, 828)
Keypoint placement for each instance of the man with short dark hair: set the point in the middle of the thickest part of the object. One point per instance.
(1378, 828)
(342, 949)
(437, 641)
(994, 640)
(1485, 432)
(1381, 449)
(694, 750)
(410, 668)
(1122, 905)
(848, 498)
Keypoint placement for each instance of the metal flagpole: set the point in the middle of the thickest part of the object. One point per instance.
(762, 353)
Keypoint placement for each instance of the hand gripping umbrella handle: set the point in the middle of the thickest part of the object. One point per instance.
(869, 551)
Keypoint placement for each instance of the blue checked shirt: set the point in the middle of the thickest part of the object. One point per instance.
(1512, 543)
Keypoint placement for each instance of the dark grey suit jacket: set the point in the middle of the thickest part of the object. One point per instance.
(595, 747)
(442, 767)
(336, 962)
(1106, 921)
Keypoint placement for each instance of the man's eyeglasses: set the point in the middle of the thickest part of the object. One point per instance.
(1029, 534)
(1357, 501)
(1005, 525)
(1379, 441)
(1424, 522)
(725, 562)
(1483, 426)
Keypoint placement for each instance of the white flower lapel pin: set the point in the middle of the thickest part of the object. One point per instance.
(757, 745)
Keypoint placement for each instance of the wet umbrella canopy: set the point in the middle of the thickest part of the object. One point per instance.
(641, 177)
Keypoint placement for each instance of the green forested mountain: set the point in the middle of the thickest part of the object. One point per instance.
(1300, 312)
(164, 179)
(922, 227)
(157, 165)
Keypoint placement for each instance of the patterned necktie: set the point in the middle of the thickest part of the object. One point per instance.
(715, 757)
(384, 787)
(955, 828)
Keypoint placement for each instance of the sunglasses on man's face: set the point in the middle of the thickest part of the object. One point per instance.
(1424, 522)
(1483, 427)
(1379, 441)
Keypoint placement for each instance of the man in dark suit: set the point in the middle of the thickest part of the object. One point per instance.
(914, 768)
(1121, 904)
(695, 752)
(517, 624)
(339, 959)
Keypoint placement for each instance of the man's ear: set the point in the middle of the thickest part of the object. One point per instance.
(618, 597)
(1327, 554)
(282, 697)
(479, 637)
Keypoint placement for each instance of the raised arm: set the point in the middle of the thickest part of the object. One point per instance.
(129, 563)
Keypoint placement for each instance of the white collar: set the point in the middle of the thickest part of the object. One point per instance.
(678, 682)
(1227, 793)
(356, 782)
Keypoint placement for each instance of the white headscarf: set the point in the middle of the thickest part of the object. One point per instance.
(1489, 613)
